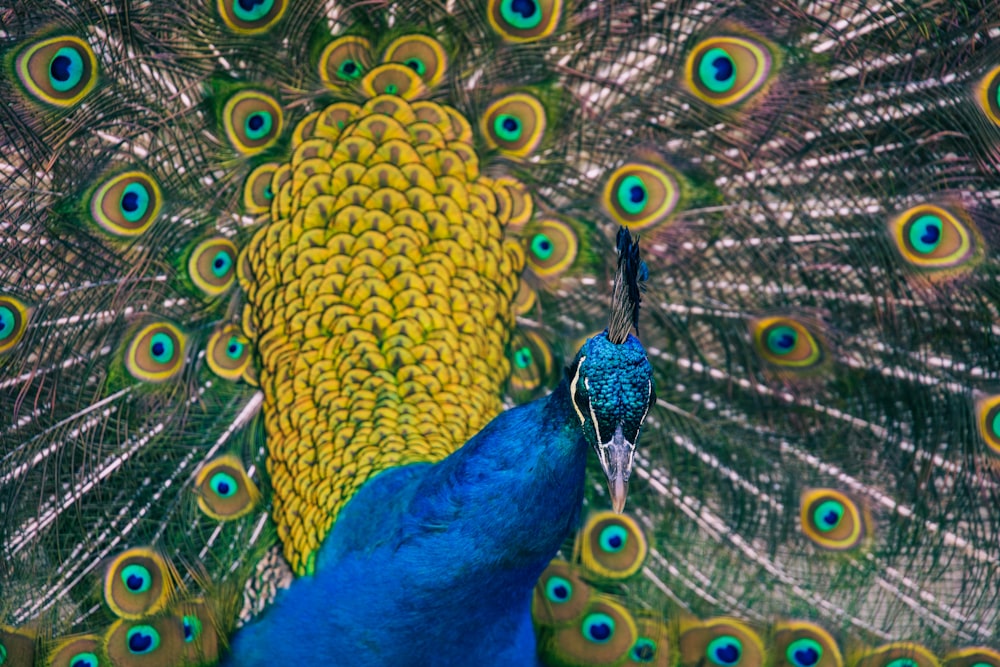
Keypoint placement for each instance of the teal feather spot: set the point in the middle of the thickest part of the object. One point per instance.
(542, 246)
(142, 640)
(598, 628)
(717, 71)
(782, 340)
(903, 662)
(7, 323)
(221, 264)
(234, 349)
(613, 539)
(134, 202)
(65, 69)
(258, 125)
(828, 515)
(644, 650)
(252, 10)
(349, 70)
(994, 424)
(632, 195)
(926, 233)
(558, 590)
(192, 628)
(507, 127)
(161, 348)
(523, 357)
(224, 485)
(804, 652)
(3, 654)
(391, 89)
(84, 660)
(137, 579)
(521, 14)
(724, 651)
(417, 65)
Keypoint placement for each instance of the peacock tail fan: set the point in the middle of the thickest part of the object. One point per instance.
(255, 253)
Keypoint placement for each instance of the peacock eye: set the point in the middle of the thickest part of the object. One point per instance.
(552, 247)
(987, 417)
(644, 650)
(598, 628)
(613, 539)
(252, 121)
(422, 54)
(142, 639)
(724, 651)
(532, 362)
(137, 578)
(156, 353)
(831, 519)
(640, 195)
(126, 204)
(83, 660)
(726, 70)
(903, 662)
(613, 545)
(225, 490)
(524, 20)
(251, 16)
(785, 342)
(523, 357)
(804, 652)
(989, 95)
(211, 266)
(257, 190)
(931, 237)
(59, 71)
(344, 60)
(13, 322)
(192, 628)
(514, 124)
(558, 590)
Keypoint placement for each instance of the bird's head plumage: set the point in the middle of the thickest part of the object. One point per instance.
(611, 380)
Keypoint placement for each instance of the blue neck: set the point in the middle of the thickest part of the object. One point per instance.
(435, 564)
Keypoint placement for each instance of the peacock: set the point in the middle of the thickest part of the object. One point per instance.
(554, 333)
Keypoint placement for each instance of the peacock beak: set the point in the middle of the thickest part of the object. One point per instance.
(616, 460)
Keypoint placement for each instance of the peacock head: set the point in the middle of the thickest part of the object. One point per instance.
(612, 388)
(611, 380)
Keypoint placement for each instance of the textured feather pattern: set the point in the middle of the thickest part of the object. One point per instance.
(256, 253)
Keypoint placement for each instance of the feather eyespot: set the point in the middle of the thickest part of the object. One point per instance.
(931, 237)
(832, 520)
(785, 342)
(801, 644)
(422, 54)
(560, 595)
(225, 491)
(602, 634)
(138, 582)
(640, 195)
(258, 191)
(127, 204)
(976, 656)
(514, 124)
(551, 247)
(151, 642)
(613, 545)
(228, 353)
(721, 642)
(394, 79)
(727, 70)
(524, 20)
(899, 654)
(59, 71)
(13, 322)
(252, 121)
(988, 95)
(80, 651)
(156, 353)
(988, 421)
(344, 60)
(531, 362)
(650, 647)
(201, 639)
(250, 17)
(212, 266)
